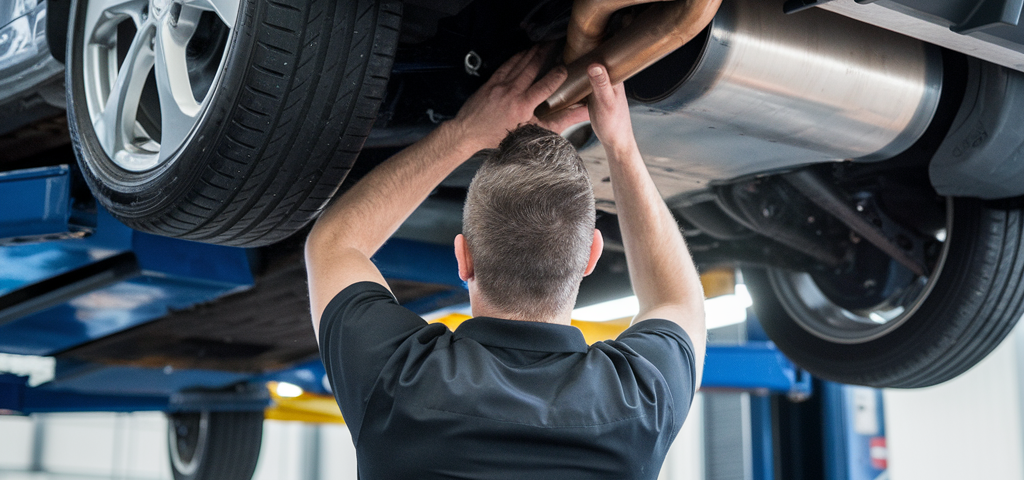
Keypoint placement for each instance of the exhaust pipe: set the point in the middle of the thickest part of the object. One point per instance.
(588, 23)
(657, 32)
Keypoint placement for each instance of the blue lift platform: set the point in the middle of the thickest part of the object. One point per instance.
(71, 276)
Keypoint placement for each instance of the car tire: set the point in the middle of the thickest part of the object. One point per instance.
(214, 445)
(973, 299)
(232, 121)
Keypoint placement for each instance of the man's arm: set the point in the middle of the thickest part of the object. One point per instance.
(664, 277)
(355, 226)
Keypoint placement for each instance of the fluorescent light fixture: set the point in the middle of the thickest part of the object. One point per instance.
(719, 311)
(610, 310)
(288, 390)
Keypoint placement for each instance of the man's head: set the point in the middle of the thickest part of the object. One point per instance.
(529, 224)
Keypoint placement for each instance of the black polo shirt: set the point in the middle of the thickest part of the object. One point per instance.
(502, 399)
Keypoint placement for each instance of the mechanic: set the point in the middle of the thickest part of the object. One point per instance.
(514, 392)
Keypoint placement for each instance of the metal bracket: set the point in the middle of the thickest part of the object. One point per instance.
(38, 206)
(793, 6)
(757, 367)
(990, 13)
(894, 240)
(244, 397)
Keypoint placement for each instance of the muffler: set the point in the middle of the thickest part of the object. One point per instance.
(759, 90)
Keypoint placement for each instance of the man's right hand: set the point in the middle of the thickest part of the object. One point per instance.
(609, 113)
(660, 268)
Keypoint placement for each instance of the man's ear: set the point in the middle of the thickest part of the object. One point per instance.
(595, 252)
(464, 258)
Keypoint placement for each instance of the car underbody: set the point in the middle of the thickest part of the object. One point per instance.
(787, 136)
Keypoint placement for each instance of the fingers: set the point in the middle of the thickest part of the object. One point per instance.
(604, 94)
(529, 69)
(517, 69)
(509, 66)
(544, 87)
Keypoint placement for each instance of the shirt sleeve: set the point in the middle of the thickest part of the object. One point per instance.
(361, 329)
(667, 346)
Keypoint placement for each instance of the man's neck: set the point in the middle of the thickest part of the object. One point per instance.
(481, 308)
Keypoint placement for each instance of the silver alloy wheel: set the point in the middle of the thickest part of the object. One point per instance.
(809, 307)
(117, 79)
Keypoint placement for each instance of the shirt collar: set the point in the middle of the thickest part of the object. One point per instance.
(536, 336)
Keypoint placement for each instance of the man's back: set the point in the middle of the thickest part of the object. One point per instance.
(501, 398)
(510, 399)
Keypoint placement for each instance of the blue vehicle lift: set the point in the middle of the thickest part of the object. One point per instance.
(71, 274)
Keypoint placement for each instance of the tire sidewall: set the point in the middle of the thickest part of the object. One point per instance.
(136, 195)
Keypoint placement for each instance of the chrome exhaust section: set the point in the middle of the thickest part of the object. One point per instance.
(655, 33)
(760, 90)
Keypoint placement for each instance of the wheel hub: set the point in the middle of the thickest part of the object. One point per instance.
(144, 90)
(819, 307)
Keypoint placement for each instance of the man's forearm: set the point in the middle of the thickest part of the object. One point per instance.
(370, 212)
(660, 266)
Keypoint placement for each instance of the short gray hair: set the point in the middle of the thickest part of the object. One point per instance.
(529, 223)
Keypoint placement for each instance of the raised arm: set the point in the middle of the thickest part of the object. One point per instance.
(355, 226)
(664, 277)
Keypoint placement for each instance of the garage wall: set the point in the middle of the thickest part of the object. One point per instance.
(685, 460)
(969, 427)
(16, 436)
(129, 446)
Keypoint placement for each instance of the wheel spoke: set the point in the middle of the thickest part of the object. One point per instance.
(226, 10)
(98, 28)
(115, 125)
(179, 110)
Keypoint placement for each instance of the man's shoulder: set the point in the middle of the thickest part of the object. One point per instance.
(665, 346)
(656, 328)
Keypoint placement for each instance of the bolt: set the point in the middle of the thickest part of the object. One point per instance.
(869, 283)
(768, 211)
(810, 219)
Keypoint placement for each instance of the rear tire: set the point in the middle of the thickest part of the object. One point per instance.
(976, 298)
(214, 445)
(250, 143)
